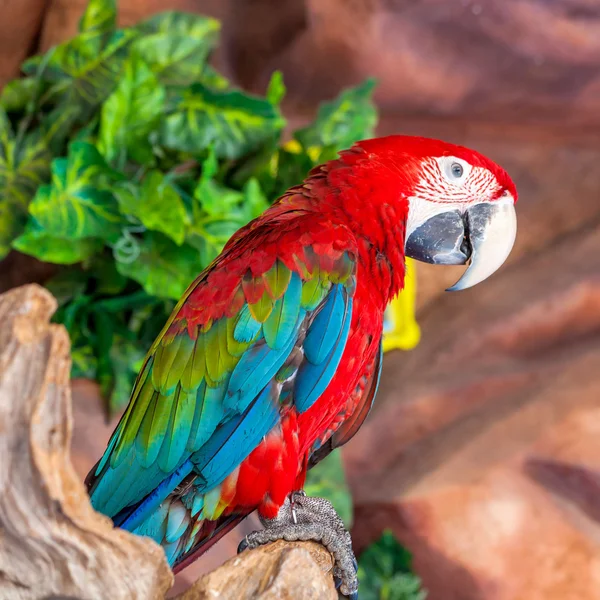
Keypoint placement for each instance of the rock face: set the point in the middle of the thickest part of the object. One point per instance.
(504, 60)
(486, 436)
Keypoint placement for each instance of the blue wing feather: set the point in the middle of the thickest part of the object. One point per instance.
(324, 331)
(313, 378)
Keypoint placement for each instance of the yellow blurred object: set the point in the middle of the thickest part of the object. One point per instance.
(400, 328)
(295, 147)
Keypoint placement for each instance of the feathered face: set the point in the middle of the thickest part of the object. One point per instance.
(460, 205)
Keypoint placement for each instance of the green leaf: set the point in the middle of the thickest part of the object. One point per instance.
(213, 79)
(78, 203)
(130, 114)
(255, 201)
(176, 45)
(352, 116)
(18, 94)
(83, 71)
(163, 268)
(52, 249)
(100, 15)
(276, 89)
(327, 480)
(216, 200)
(156, 204)
(384, 572)
(24, 165)
(233, 123)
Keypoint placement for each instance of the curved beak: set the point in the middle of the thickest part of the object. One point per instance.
(483, 234)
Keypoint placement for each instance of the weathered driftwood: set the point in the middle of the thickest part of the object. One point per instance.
(52, 543)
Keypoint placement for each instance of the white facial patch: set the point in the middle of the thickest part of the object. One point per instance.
(448, 183)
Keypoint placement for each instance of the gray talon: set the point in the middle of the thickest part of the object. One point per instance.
(304, 518)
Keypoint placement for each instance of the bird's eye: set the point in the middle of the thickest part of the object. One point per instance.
(457, 170)
(454, 169)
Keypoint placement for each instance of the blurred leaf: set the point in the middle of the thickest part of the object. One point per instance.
(352, 116)
(100, 15)
(58, 125)
(88, 132)
(327, 480)
(84, 361)
(67, 284)
(233, 123)
(213, 79)
(133, 301)
(213, 198)
(255, 202)
(130, 114)
(124, 356)
(52, 249)
(384, 572)
(176, 45)
(162, 267)
(18, 94)
(276, 89)
(24, 165)
(104, 327)
(156, 204)
(107, 280)
(290, 169)
(78, 204)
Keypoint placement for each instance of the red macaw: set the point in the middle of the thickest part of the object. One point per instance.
(272, 357)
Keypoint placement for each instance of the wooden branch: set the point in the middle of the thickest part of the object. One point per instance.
(52, 543)
(298, 570)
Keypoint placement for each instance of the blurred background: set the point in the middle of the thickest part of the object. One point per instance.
(482, 453)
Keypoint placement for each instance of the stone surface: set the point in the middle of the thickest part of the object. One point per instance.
(509, 60)
(486, 435)
(20, 24)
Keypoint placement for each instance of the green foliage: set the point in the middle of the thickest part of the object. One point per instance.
(126, 158)
(327, 480)
(341, 122)
(385, 574)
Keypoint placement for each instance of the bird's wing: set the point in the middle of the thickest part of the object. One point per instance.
(365, 395)
(207, 395)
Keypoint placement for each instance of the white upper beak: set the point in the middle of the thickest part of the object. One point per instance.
(492, 229)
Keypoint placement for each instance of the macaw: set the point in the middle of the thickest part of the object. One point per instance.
(272, 357)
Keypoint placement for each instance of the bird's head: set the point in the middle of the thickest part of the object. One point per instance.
(461, 205)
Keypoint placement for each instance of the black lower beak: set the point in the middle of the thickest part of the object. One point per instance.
(483, 235)
(441, 240)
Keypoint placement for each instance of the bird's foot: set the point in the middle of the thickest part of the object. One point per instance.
(304, 518)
